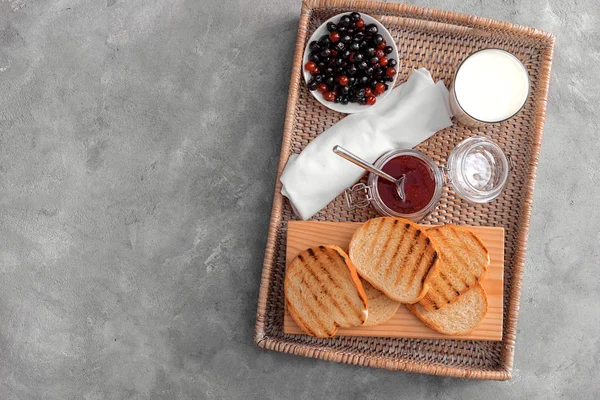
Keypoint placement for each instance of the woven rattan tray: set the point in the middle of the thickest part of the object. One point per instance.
(438, 41)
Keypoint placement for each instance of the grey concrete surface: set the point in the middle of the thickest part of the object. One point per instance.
(138, 148)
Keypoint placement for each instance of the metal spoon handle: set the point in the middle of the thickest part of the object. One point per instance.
(353, 158)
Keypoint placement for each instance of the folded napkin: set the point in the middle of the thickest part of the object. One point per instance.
(410, 114)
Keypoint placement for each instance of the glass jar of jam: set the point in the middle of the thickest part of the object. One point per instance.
(477, 170)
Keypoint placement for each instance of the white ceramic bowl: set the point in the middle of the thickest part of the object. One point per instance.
(350, 108)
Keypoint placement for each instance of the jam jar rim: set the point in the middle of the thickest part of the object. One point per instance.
(425, 211)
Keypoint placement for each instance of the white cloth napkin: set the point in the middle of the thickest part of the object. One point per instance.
(410, 114)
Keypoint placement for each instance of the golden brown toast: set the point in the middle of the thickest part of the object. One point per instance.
(464, 260)
(381, 307)
(396, 256)
(323, 291)
(458, 318)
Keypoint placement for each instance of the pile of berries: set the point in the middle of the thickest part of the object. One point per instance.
(350, 64)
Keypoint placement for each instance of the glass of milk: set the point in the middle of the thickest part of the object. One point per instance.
(490, 86)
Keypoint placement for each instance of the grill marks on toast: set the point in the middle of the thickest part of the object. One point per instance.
(427, 262)
(407, 256)
(323, 292)
(419, 267)
(435, 257)
(450, 253)
(417, 260)
(464, 261)
(311, 300)
(385, 245)
(404, 256)
(440, 292)
(395, 256)
(318, 272)
(479, 244)
(377, 233)
(459, 318)
(325, 259)
(391, 253)
(318, 282)
(390, 265)
(448, 284)
(299, 319)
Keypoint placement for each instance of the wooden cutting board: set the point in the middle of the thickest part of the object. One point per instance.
(304, 234)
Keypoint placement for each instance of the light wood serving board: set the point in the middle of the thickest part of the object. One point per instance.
(304, 234)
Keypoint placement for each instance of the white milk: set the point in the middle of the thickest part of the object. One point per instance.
(491, 85)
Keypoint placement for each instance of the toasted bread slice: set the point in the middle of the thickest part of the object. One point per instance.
(395, 256)
(460, 317)
(323, 291)
(464, 260)
(381, 307)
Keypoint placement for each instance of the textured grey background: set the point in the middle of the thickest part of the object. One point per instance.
(138, 148)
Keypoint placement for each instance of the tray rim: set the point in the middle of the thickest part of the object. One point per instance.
(425, 15)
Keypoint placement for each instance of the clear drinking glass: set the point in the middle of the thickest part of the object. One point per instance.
(493, 86)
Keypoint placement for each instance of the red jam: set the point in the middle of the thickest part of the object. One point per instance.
(419, 184)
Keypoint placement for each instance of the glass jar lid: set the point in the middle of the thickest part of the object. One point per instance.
(478, 169)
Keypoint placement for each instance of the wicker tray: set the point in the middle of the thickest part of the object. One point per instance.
(437, 40)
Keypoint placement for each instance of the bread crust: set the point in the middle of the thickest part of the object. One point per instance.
(398, 223)
(458, 272)
(427, 317)
(354, 279)
(386, 309)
